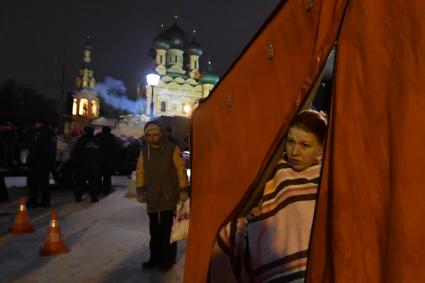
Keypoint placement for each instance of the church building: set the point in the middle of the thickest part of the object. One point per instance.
(85, 103)
(181, 83)
(84, 100)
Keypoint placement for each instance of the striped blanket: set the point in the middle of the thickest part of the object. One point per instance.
(271, 243)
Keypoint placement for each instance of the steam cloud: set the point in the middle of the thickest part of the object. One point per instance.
(113, 92)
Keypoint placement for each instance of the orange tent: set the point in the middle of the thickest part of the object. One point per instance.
(368, 224)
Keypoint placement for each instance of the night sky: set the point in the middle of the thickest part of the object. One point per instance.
(33, 34)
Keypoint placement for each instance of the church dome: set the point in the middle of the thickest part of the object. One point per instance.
(194, 48)
(87, 44)
(209, 77)
(176, 37)
(161, 41)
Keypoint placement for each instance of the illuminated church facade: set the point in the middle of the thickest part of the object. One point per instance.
(85, 104)
(181, 85)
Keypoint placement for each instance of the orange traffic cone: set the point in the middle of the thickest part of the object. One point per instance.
(22, 223)
(54, 243)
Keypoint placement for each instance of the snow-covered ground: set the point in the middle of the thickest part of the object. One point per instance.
(17, 182)
(108, 240)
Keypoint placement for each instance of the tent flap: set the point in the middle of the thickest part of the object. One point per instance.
(235, 131)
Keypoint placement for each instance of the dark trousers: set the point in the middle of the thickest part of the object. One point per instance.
(106, 182)
(66, 174)
(161, 251)
(4, 194)
(89, 179)
(38, 184)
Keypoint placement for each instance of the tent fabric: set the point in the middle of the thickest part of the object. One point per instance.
(369, 224)
(237, 129)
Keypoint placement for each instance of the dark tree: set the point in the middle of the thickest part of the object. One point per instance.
(22, 105)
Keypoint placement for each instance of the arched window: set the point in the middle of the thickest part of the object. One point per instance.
(163, 106)
(74, 107)
(83, 107)
(94, 107)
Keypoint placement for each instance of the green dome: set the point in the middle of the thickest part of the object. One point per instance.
(87, 44)
(176, 37)
(194, 48)
(161, 41)
(209, 77)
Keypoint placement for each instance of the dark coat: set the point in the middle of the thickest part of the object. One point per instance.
(42, 156)
(87, 154)
(162, 174)
(111, 150)
(161, 180)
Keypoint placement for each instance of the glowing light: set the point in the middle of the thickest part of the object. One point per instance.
(187, 109)
(74, 107)
(152, 79)
(83, 106)
(189, 173)
(94, 107)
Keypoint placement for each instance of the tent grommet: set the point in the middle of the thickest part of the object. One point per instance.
(309, 5)
(270, 52)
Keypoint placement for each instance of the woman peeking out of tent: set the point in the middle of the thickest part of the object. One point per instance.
(271, 242)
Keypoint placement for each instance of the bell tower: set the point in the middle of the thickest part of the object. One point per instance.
(85, 102)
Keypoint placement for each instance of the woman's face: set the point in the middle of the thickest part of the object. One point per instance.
(153, 138)
(303, 149)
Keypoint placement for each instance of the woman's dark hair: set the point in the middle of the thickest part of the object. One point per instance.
(313, 122)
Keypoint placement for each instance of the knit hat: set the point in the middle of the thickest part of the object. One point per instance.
(152, 127)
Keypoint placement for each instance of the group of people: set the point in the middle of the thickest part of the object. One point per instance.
(283, 215)
(161, 178)
(90, 166)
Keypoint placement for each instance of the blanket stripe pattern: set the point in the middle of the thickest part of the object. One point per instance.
(271, 243)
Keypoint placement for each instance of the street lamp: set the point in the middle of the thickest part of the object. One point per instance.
(153, 80)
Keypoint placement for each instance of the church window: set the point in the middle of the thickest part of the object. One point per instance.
(74, 107)
(83, 107)
(163, 106)
(94, 107)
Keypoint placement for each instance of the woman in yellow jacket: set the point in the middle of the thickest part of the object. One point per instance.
(161, 181)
